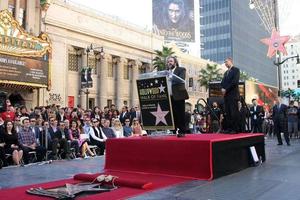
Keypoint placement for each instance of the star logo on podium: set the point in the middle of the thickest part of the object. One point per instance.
(275, 43)
(161, 88)
(160, 115)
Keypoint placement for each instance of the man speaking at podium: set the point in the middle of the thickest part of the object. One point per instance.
(178, 95)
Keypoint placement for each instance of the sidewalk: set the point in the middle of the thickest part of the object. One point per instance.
(276, 179)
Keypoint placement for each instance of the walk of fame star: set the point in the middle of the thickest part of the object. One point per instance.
(276, 43)
(161, 88)
(160, 115)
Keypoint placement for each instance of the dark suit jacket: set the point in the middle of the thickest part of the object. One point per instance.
(280, 114)
(230, 83)
(178, 89)
(259, 112)
(124, 116)
(58, 134)
(60, 118)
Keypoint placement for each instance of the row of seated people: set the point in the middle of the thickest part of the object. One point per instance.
(59, 139)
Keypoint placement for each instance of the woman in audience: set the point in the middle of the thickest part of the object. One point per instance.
(77, 139)
(116, 114)
(136, 128)
(11, 142)
(118, 128)
(96, 114)
(74, 132)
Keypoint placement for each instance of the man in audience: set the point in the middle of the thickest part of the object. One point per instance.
(256, 113)
(124, 115)
(127, 128)
(109, 133)
(27, 141)
(35, 129)
(60, 116)
(97, 137)
(59, 138)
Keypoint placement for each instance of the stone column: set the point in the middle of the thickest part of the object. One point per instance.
(104, 80)
(119, 63)
(17, 10)
(3, 4)
(31, 16)
(134, 101)
(82, 92)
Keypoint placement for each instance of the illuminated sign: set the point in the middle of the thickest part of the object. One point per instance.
(24, 59)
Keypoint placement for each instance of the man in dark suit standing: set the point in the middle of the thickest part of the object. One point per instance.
(256, 113)
(280, 121)
(178, 95)
(230, 90)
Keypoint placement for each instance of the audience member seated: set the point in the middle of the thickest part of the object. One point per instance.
(35, 129)
(118, 128)
(60, 116)
(85, 137)
(17, 124)
(127, 129)
(2, 150)
(11, 143)
(137, 128)
(97, 137)
(64, 139)
(74, 134)
(28, 143)
(9, 114)
(109, 133)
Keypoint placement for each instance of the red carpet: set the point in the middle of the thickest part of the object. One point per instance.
(121, 193)
(189, 157)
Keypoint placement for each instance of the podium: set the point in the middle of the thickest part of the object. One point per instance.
(155, 102)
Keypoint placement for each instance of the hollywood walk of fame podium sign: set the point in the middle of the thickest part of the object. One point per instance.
(155, 101)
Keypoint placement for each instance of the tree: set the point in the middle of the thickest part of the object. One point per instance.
(160, 60)
(289, 93)
(244, 76)
(209, 74)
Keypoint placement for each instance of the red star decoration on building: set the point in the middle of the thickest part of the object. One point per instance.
(275, 43)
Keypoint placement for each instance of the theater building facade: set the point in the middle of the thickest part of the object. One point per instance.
(25, 53)
(75, 39)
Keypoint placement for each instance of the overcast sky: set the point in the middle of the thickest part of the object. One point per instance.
(139, 12)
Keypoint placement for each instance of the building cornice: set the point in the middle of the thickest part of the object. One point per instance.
(105, 17)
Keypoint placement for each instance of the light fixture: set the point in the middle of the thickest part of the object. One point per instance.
(251, 4)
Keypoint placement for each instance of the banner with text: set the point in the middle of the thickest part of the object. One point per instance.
(155, 103)
(27, 70)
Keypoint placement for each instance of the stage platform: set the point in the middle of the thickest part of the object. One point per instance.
(196, 156)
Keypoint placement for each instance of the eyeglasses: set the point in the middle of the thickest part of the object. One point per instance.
(127, 121)
(32, 121)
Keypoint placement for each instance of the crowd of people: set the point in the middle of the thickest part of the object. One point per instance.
(280, 118)
(55, 132)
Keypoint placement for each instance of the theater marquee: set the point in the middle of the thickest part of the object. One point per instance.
(24, 59)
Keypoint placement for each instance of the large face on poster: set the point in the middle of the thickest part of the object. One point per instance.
(24, 59)
(174, 19)
(155, 104)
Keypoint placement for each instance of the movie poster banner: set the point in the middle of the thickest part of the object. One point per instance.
(155, 103)
(174, 19)
(32, 71)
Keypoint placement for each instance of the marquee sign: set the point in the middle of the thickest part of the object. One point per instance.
(24, 59)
